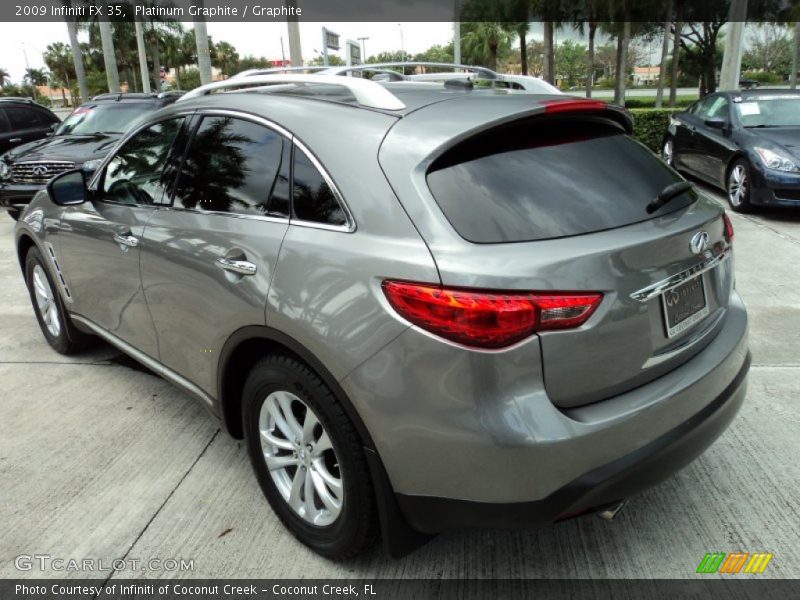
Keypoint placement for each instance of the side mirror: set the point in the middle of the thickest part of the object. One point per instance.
(716, 123)
(68, 188)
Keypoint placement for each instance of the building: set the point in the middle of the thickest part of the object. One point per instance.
(643, 76)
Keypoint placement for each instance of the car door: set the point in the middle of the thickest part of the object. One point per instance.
(686, 147)
(713, 145)
(28, 124)
(208, 259)
(101, 240)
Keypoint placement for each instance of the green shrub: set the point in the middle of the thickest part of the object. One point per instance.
(763, 77)
(650, 125)
(650, 102)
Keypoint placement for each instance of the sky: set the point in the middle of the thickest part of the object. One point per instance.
(259, 39)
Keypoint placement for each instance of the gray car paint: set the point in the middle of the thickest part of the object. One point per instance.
(447, 420)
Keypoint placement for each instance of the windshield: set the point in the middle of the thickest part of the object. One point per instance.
(106, 118)
(769, 111)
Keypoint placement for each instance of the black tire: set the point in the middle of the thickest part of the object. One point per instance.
(14, 213)
(738, 187)
(67, 339)
(356, 526)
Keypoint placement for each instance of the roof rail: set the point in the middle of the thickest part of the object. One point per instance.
(273, 70)
(481, 71)
(367, 93)
(17, 99)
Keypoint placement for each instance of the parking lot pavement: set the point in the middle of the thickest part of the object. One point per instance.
(99, 459)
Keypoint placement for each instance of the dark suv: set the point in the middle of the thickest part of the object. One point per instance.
(83, 139)
(22, 120)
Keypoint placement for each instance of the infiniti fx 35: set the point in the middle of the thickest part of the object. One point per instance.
(423, 308)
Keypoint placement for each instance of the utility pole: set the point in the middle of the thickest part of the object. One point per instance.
(140, 49)
(28, 71)
(457, 42)
(732, 60)
(295, 50)
(203, 55)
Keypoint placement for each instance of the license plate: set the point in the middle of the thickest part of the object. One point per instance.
(684, 306)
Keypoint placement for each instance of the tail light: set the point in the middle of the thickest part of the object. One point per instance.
(728, 228)
(486, 319)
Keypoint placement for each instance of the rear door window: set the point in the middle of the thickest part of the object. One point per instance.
(313, 200)
(544, 180)
(27, 118)
(4, 124)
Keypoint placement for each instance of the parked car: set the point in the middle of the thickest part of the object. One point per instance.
(85, 137)
(22, 120)
(430, 72)
(746, 143)
(423, 308)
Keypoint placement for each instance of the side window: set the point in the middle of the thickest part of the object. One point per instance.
(4, 124)
(312, 198)
(707, 105)
(719, 109)
(136, 176)
(235, 166)
(28, 118)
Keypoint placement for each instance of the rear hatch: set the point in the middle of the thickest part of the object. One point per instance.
(558, 203)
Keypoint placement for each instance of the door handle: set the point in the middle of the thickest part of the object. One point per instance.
(126, 240)
(15, 140)
(240, 267)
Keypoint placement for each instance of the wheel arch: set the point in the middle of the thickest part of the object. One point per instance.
(243, 349)
(24, 244)
(729, 165)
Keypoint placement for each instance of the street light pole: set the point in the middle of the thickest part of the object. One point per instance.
(363, 48)
(402, 44)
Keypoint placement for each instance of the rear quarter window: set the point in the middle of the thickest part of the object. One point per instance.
(544, 180)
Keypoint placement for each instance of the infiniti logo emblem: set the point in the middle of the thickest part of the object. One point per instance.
(39, 170)
(699, 242)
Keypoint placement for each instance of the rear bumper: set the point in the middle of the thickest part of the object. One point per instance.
(600, 487)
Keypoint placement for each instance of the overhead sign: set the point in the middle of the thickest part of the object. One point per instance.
(331, 40)
(353, 53)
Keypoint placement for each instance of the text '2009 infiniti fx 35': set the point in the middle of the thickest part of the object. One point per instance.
(424, 308)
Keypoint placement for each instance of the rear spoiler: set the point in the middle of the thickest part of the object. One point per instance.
(569, 105)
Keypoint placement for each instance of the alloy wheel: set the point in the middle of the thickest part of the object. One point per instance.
(46, 300)
(300, 458)
(737, 185)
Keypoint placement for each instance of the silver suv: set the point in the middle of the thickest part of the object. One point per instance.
(423, 307)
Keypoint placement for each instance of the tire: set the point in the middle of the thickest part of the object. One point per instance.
(14, 213)
(279, 395)
(737, 186)
(668, 151)
(54, 321)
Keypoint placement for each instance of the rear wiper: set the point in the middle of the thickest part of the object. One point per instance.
(668, 193)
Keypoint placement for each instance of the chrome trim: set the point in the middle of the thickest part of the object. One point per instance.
(146, 360)
(241, 267)
(651, 291)
(126, 240)
(200, 211)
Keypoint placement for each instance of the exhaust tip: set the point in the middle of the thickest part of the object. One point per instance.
(610, 512)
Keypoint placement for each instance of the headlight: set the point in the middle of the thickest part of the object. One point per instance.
(778, 161)
(5, 170)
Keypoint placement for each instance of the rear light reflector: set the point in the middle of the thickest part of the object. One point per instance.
(728, 228)
(562, 106)
(488, 319)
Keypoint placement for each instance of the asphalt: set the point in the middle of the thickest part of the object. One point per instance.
(100, 459)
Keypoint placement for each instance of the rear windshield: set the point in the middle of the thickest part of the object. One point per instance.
(535, 181)
(104, 118)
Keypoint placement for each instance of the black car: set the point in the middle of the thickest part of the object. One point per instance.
(22, 120)
(745, 142)
(82, 140)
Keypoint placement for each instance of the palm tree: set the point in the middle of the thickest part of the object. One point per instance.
(5, 78)
(484, 40)
(677, 28)
(109, 56)
(77, 57)
(36, 76)
(664, 55)
(226, 58)
(58, 59)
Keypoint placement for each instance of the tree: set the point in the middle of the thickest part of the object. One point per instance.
(35, 77)
(5, 78)
(770, 49)
(58, 59)
(437, 53)
(226, 59)
(396, 56)
(570, 58)
(334, 60)
(662, 72)
(109, 56)
(77, 57)
(536, 58)
(203, 50)
(485, 41)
